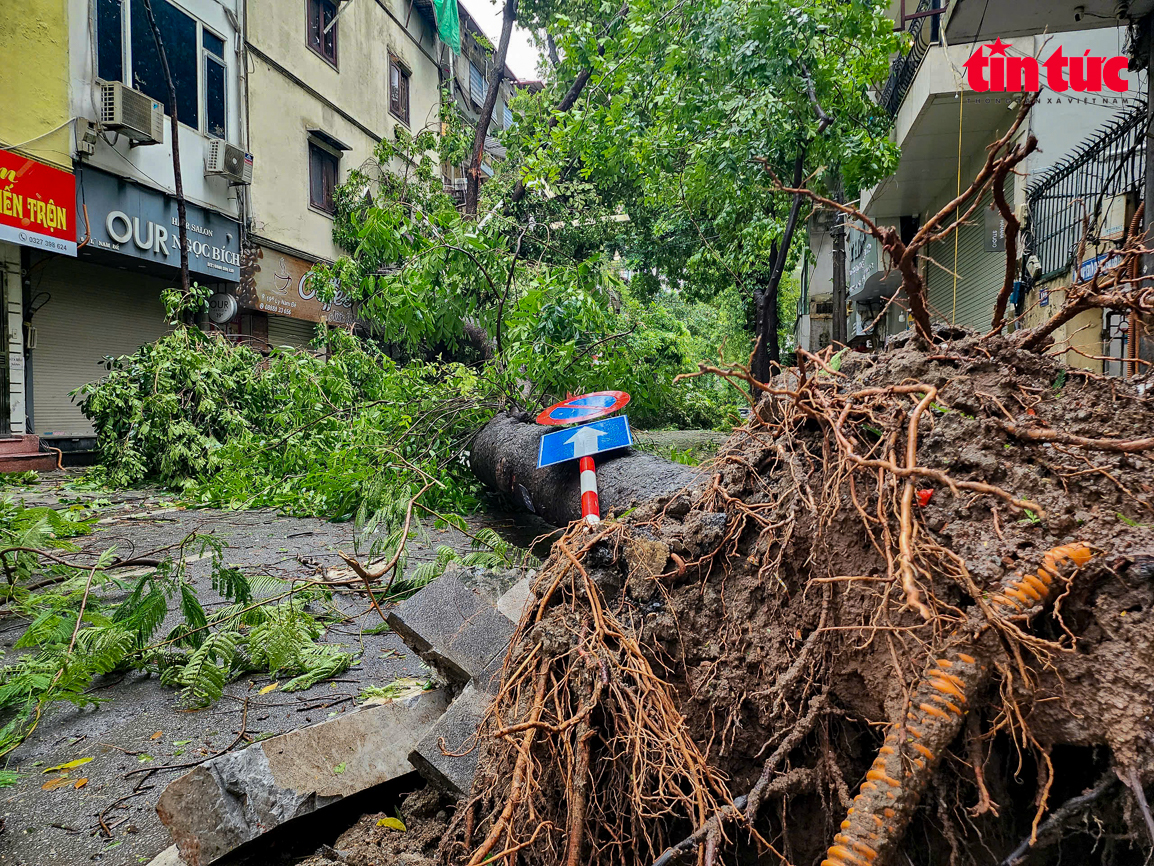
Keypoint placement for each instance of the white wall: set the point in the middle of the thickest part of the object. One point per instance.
(1061, 123)
(152, 165)
(821, 277)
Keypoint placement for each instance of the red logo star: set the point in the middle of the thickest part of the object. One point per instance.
(998, 47)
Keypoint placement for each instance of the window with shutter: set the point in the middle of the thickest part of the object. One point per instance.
(398, 90)
(507, 116)
(322, 178)
(477, 83)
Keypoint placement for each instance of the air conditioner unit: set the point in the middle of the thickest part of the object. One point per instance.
(130, 112)
(231, 162)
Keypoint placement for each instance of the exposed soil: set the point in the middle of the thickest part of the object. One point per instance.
(777, 622)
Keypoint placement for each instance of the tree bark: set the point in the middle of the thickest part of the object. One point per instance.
(767, 350)
(766, 324)
(840, 333)
(504, 456)
(182, 229)
(496, 76)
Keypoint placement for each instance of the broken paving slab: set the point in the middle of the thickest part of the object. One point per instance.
(513, 603)
(236, 797)
(170, 856)
(462, 624)
(490, 583)
(447, 755)
(454, 628)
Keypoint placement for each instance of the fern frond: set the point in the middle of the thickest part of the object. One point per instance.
(104, 649)
(191, 609)
(207, 670)
(143, 613)
(277, 643)
(231, 583)
(48, 628)
(320, 662)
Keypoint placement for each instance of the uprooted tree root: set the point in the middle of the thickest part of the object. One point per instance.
(911, 576)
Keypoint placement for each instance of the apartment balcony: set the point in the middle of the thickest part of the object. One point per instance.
(922, 25)
(983, 21)
(934, 104)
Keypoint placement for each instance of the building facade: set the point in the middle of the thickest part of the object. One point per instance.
(35, 168)
(277, 102)
(943, 126)
(327, 82)
(466, 79)
(89, 119)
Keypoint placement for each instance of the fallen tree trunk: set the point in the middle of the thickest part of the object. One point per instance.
(504, 456)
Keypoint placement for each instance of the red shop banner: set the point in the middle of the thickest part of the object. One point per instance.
(37, 205)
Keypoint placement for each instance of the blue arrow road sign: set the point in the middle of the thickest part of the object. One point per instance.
(584, 441)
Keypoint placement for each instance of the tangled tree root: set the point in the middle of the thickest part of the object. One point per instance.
(584, 678)
(842, 569)
(894, 784)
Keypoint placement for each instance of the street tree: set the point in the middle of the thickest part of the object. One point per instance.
(690, 117)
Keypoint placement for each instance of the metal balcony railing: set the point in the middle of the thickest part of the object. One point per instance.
(903, 69)
(1077, 191)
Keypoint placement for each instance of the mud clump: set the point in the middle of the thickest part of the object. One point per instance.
(906, 616)
(382, 839)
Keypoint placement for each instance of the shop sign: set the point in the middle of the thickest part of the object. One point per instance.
(862, 259)
(37, 205)
(994, 225)
(222, 308)
(134, 220)
(284, 285)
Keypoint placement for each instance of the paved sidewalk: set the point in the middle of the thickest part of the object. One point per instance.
(139, 724)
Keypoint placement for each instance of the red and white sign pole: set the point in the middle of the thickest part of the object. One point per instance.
(579, 409)
(590, 507)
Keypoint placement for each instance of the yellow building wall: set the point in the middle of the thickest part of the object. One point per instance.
(1082, 333)
(34, 80)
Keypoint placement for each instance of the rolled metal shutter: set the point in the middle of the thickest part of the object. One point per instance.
(286, 331)
(93, 311)
(980, 274)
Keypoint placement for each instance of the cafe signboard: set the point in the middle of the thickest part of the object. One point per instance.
(37, 205)
(129, 219)
(284, 285)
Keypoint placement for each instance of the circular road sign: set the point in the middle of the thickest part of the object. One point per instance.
(584, 408)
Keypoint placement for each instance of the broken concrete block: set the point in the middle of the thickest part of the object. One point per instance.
(238, 796)
(512, 604)
(455, 732)
(488, 583)
(453, 628)
(170, 856)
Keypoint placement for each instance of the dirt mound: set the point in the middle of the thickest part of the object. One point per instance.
(907, 618)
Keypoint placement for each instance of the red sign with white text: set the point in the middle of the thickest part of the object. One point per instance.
(37, 205)
(1003, 72)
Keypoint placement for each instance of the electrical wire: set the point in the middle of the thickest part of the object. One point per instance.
(954, 305)
(38, 137)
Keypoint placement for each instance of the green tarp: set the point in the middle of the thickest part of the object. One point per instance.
(448, 23)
